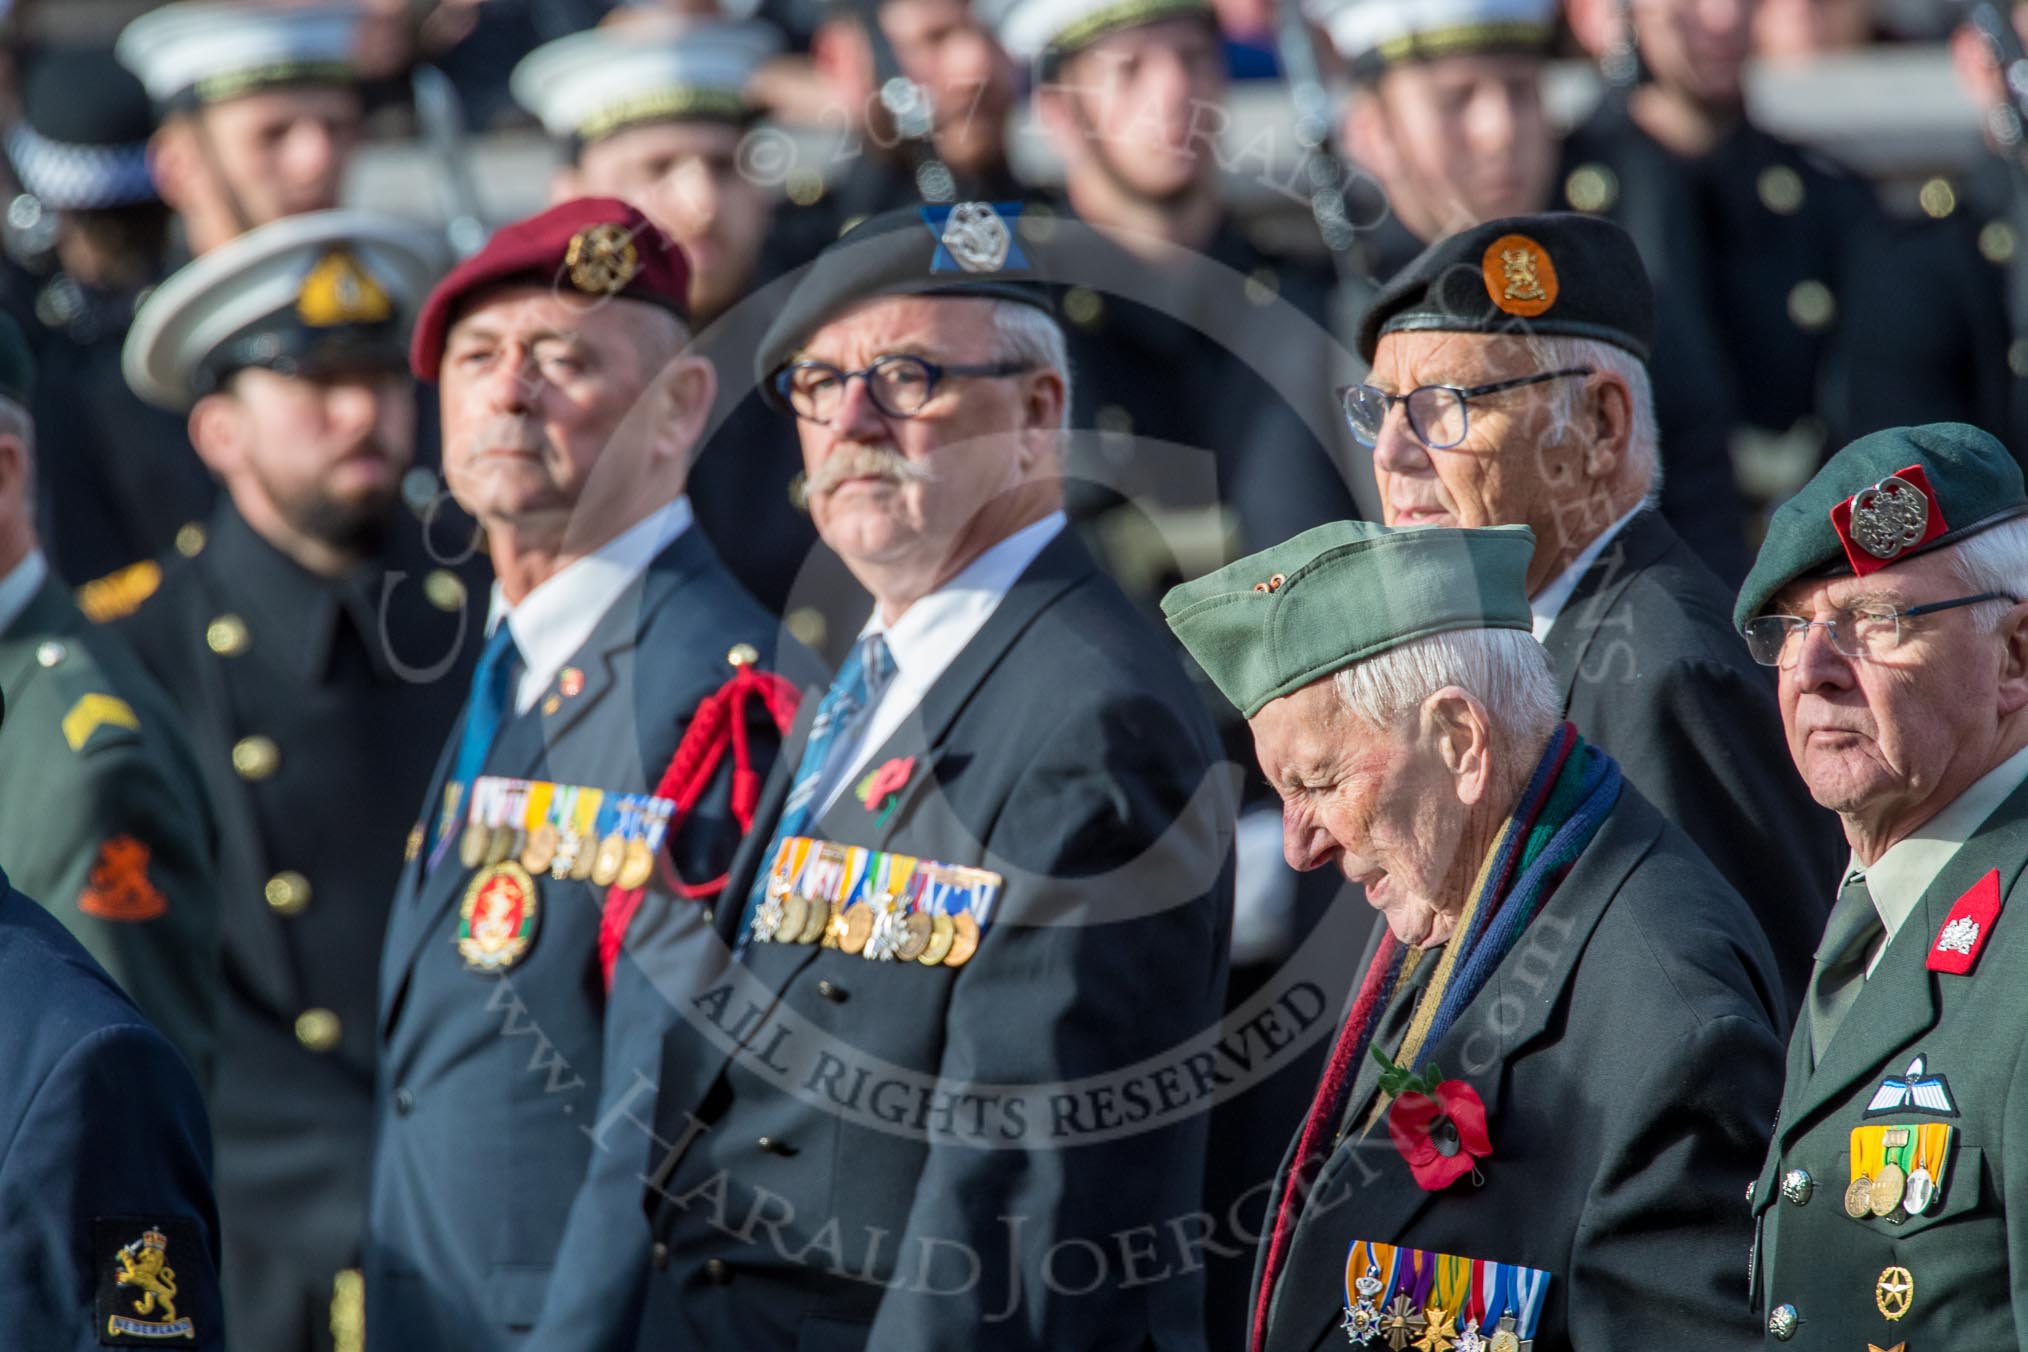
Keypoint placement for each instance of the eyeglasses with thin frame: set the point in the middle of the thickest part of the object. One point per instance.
(899, 384)
(1437, 414)
(1777, 640)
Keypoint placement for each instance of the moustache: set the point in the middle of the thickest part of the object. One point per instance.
(867, 462)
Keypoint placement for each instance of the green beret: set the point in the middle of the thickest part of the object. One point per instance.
(975, 249)
(1558, 274)
(1275, 621)
(17, 363)
(1888, 496)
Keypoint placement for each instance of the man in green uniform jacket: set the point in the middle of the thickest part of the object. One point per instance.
(1889, 593)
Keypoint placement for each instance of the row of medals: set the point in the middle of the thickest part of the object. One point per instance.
(938, 940)
(1402, 1326)
(1891, 1194)
(560, 854)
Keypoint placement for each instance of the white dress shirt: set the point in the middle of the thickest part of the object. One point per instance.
(554, 620)
(1899, 877)
(19, 587)
(930, 634)
(1548, 603)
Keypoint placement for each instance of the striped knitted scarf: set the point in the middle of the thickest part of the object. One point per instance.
(1574, 787)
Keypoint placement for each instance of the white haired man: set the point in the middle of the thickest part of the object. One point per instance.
(1889, 597)
(1509, 387)
(1615, 1049)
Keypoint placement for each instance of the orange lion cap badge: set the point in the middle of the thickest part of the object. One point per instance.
(1519, 276)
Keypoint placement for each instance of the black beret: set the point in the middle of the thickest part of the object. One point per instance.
(981, 250)
(1559, 274)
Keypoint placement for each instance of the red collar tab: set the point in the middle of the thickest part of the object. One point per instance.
(1878, 525)
(1966, 928)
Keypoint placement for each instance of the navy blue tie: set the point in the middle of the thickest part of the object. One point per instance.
(492, 694)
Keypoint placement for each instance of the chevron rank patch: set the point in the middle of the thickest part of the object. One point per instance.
(93, 712)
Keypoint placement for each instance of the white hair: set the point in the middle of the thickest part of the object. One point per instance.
(1031, 335)
(1645, 439)
(1505, 669)
(1994, 560)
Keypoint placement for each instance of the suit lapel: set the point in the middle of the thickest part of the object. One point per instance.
(1898, 1003)
(1568, 643)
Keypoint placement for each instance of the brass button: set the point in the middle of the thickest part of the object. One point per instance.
(709, 915)
(1082, 307)
(716, 1272)
(288, 892)
(49, 653)
(831, 991)
(1938, 198)
(1781, 190)
(658, 1254)
(190, 539)
(1797, 1186)
(742, 655)
(226, 636)
(1591, 187)
(256, 758)
(1782, 1323)
(317, 1030)
(1996, 242)
(1811, 305)
(807, 625)
(445, 590)
(805, 186)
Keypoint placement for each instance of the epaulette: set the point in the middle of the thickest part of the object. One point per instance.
(119, 594)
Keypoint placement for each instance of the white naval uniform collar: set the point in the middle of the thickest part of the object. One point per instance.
(927, 637)
(1900, 876)
(556, 619)
(1547, 604)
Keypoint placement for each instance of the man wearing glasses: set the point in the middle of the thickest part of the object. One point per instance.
(988, 892)
(1888, 598)
(1510, 387)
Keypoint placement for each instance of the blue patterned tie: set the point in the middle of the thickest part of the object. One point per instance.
(492, 681)
(853, 693)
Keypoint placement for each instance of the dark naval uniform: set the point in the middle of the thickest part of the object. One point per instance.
(104, 812)
(1750, 247)
(1961, 355)
(1651, 671)
(111, 1237)
(316, 707)
(1051, 786)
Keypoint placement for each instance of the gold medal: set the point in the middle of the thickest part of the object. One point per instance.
(472, 845)
(587, 859)
(795, 915)
(858, 928)
(915, 937)
(942, 934)
(1888, 1185)
(540, 851)
(818, 921)
(834, 930)
(1859, 1198)
(612, 854)
(500, 845)
(964, 939)
(637, 865)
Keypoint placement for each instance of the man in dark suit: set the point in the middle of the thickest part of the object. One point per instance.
(1614, 1048)
(518, 981)
(1543, 323)
(316, 651)
(112, 1236)
(992, 896)
(1889, 596)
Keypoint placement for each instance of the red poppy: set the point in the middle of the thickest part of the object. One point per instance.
(1442, 1138)
(889, 778)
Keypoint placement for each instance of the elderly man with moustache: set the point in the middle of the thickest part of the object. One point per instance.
(1614, 1046)
(1510, 386)
(995, 880)
(1889, 597)
(518, 980)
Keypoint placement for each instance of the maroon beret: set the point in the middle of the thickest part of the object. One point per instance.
(592, 246)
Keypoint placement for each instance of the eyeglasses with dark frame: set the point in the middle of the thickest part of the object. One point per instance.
(1777, 640)
(899, 384)
(1433, 410)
